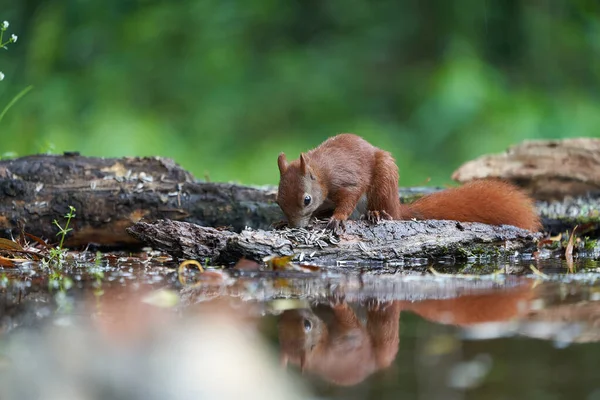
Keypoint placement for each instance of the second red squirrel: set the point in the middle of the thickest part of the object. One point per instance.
(337, 173)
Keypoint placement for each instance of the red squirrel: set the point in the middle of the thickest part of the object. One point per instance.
(345, 167)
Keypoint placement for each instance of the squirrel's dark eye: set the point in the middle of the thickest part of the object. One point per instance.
(307, 199)
(307, 325)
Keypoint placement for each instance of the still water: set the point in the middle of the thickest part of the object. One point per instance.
(131, 328)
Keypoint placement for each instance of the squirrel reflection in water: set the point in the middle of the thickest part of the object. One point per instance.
(331, 341)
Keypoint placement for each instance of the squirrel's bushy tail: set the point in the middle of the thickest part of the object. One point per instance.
(489, 201)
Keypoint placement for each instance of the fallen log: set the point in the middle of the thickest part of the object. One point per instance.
(112, 194)
(388, 241)
(546, 169)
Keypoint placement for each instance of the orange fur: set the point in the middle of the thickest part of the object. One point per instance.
(345, 167)
(336, 174)
(489, 201)
(471, 309)
(338, 347)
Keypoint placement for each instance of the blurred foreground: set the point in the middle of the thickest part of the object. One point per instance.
(129, 329)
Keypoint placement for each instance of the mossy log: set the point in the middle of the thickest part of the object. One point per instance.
(112, 194)
(388, 241)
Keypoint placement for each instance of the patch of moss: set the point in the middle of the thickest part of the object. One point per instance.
(589, 244)
(478, 251)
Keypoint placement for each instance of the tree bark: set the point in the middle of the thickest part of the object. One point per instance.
(547, 169)
(111, 195)
(389, 241)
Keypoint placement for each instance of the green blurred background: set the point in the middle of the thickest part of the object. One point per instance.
(223, 86)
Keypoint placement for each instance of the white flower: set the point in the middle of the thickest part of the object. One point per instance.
(5, 25)
(14, 38)
(1, 76)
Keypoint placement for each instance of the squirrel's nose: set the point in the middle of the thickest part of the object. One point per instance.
(299, 223)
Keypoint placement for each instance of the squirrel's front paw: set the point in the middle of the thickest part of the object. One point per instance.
(336, 225)
(374, 216)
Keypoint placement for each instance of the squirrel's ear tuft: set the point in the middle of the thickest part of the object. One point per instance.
(304, 168)
(282, 163)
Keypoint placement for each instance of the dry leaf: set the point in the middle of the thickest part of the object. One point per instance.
(6, 244)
